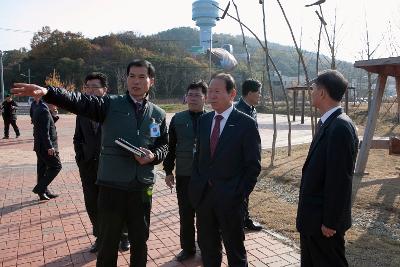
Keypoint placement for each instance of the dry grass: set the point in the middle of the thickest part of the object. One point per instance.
(377, 205)
(387, 124)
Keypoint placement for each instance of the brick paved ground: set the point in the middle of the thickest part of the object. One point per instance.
(58, 232)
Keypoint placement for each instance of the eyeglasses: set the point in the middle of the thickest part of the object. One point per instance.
(194, 95)
(92, 87)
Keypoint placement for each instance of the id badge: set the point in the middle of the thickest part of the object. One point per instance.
(154, 129)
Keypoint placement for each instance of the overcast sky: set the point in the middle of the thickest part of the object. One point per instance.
(100, 17)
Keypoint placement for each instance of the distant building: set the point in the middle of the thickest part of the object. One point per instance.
(205, 13)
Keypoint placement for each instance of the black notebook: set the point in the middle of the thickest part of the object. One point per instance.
(129, 147)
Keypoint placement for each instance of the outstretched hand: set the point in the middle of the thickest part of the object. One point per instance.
(26, 89)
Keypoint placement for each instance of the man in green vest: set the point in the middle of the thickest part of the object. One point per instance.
(125, 180)
(182, 133)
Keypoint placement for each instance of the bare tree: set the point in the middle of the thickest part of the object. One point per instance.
(331, 39)
(243, 36)
(271, 91)
(369, 53)
(262, 44)
(302, 63)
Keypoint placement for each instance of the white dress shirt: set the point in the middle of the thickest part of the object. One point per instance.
(135, 101)
(328, 113)
(224, 114)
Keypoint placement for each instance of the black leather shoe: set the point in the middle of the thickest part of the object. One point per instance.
(94, 248)
(124, 244)
(43, 196)
(252, 225)
(184, 255)
(5, 137)
(51, 195)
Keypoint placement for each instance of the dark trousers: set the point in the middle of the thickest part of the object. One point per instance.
(47, 169)
(186, 214)
(13, 123)
(246, 210)
(115, 207)
(216, 220)
(88, 174)
(322, 251)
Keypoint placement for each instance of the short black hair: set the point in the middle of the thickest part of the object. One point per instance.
(142, 63)
(250, 85)
(97, 76)
(334, 83)
(7, 95)
(229, 80)
(199, 84)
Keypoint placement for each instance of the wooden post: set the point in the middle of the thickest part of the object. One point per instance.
(371, 124)
(294, 104)
(398, 98)
(303, 95)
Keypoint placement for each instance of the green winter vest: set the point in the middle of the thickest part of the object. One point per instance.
(185, 143)
(118, 167)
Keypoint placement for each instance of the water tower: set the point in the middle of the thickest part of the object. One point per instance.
(205, 13)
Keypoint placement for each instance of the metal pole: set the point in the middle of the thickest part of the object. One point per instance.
(1, 76)
(29, 75)
(209, 60)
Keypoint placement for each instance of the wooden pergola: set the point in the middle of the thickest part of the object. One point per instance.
(300, 88)
(295, 90)
(384, 67)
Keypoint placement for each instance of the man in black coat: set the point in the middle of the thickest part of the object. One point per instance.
(251, 94)
(87, 145)
(9, 108)
(226, 165)
(46, 147)
(324, 209)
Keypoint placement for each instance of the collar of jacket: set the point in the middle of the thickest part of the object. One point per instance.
(320, 133)
(130, 100)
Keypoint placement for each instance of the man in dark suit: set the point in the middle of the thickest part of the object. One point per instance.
(46, 147)
(226, 165)
(324, 209)
(251, 94)
(9, 114)
(182, 133)
(125, 179)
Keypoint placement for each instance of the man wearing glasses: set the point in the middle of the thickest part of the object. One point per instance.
(181, 133)
(87, 144)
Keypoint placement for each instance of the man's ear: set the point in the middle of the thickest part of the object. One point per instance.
(233, 94)
(324, 93)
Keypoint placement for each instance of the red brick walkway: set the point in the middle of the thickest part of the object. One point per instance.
(58, 232)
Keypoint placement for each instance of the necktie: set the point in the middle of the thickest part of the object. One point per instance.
(215, 134)
(318, 127)
(138, 108)
(95, 125)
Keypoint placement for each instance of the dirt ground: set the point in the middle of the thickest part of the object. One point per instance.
(374, 239)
